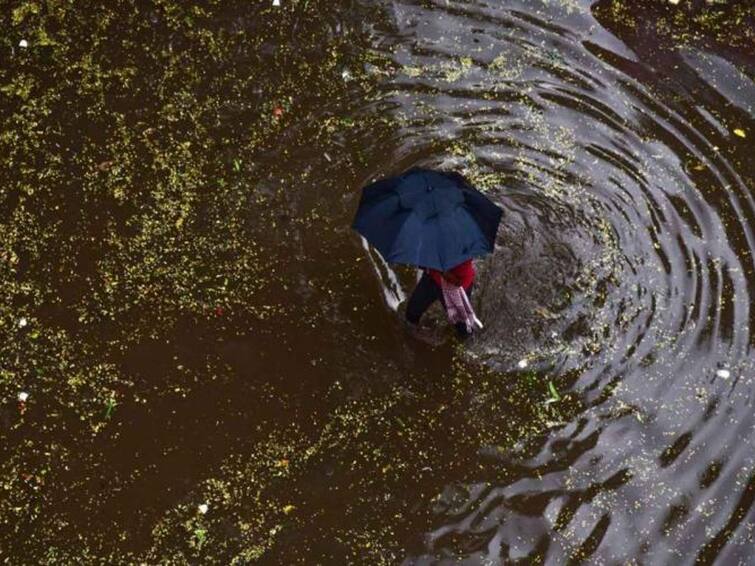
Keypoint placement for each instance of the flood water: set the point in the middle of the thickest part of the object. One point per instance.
(203, 328)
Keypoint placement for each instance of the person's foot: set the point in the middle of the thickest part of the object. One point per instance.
(462, 333)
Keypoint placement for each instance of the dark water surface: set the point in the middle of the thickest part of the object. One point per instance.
(196, 325)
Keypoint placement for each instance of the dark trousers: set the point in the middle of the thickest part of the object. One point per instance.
(424, 295)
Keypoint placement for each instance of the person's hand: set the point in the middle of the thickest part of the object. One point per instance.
(452, 278)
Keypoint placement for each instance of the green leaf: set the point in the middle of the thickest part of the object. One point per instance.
(554, 392)
(201, 536)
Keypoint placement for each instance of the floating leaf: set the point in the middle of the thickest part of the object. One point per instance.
(554, 391)
(110, 405)
(201, 536)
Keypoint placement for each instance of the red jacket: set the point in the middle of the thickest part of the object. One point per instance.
(464, 271)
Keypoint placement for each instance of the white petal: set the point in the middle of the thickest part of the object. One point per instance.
(22, 322)
(723, 373)
(523, 363)
(23, 43)
(203, 508)
(23, 396)
(276, 2)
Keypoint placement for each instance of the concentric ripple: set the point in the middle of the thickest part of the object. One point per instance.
(624, 267)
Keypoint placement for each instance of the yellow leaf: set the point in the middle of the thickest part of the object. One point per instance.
(288, 508)
(740, 132)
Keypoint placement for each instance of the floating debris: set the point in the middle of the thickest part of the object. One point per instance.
(523, 363)
(23, 396)
(22, 322)
(203, 508)
(200, 535)
(740, 132)
(23, 43)
(110, 405)
(276, 2)
(723, 373)
(555, 397)
(288, 508)
(346, 75)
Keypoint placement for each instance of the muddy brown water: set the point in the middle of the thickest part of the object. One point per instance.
(604, 416)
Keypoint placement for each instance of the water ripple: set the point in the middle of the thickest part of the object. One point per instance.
(625, 263)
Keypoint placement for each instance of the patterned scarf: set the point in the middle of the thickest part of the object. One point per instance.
(458, 307)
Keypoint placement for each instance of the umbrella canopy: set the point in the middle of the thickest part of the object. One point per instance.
(427, 218)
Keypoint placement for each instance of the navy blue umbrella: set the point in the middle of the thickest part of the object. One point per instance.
(427, 218)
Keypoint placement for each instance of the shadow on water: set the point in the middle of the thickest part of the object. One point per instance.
(204, 329)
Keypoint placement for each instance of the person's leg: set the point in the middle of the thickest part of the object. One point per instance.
(425, 294)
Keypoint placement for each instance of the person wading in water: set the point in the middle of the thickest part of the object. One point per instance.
(436, 221)
(453, 288)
